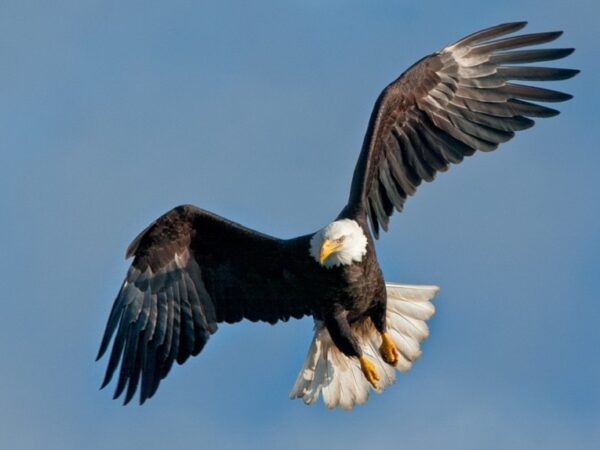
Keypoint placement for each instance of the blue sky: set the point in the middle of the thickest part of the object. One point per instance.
(114, 112)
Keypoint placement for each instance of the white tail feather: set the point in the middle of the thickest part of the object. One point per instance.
(329, 372)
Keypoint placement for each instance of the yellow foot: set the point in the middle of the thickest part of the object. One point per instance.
(368, 369)
(388, 350)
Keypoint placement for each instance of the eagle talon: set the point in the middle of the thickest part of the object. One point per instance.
(388, 350)
(368, 369)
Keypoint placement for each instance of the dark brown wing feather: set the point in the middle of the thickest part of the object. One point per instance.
(191, 270)
(447, 106)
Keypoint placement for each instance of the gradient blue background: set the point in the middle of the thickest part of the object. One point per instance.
(113, 112)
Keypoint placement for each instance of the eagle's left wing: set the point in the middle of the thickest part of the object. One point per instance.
(447, 106)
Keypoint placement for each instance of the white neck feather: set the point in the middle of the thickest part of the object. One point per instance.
(354, 243)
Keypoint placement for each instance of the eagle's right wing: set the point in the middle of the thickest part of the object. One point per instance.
(191, 270)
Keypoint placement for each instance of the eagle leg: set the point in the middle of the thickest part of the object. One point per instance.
(368, 369)
(341, 333)
(388, 350)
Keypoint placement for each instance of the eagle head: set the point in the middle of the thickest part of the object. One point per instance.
(340, 243)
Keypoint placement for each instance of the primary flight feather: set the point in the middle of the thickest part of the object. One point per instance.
(192, 269)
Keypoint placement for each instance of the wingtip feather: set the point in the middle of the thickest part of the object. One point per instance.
(489, 33)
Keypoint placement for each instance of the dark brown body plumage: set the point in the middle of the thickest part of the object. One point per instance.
(353, 293)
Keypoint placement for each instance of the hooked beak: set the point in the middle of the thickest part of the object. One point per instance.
(327, 248)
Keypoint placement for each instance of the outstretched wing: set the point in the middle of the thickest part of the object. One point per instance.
(447, 106)
(191, 270)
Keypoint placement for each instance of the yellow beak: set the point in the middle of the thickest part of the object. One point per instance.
(327, 248)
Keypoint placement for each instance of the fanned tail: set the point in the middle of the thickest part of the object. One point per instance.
(329, 372)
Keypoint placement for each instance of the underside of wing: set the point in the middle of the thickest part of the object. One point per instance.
(191, 270)
(448, 105)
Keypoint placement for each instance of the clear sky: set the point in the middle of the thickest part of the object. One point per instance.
(113, 112)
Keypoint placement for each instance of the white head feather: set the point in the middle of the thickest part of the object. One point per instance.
(349, 234)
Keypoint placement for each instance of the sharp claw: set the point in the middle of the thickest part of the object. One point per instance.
(388, 350)
(369, 371)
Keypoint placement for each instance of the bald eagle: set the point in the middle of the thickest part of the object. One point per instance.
(192, 269)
